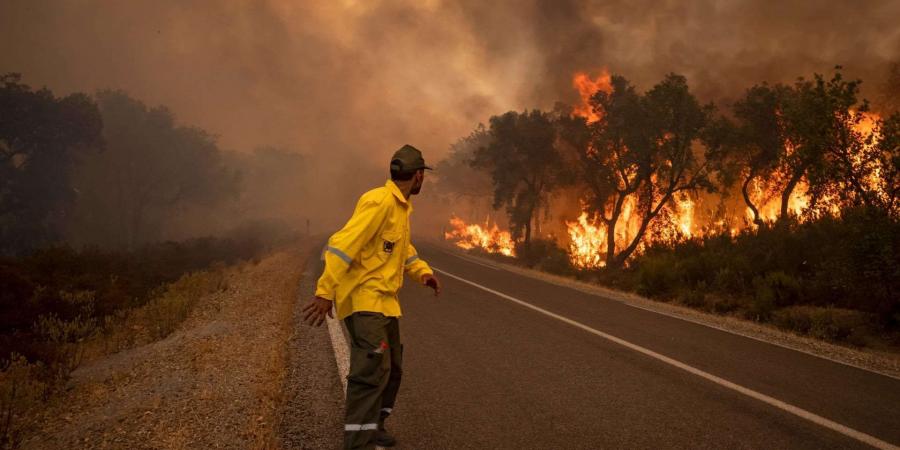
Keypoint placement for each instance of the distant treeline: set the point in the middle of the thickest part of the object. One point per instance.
(109, 171)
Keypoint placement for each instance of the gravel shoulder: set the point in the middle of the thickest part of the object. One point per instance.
(311, 415)
(217, 382)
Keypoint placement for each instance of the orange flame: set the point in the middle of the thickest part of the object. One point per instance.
(586, 239)
(587, 87)
(488, 237)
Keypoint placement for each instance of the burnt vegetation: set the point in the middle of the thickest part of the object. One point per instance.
(780, 207)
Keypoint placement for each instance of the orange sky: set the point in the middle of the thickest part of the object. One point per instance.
(359, 78)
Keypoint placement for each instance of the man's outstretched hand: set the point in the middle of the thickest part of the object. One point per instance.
(432, 282)
(315, 311)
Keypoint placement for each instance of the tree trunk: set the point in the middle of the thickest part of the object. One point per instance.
(788, 190)
(645, 223)
(528, 230)
(756, 219)
(611, 229)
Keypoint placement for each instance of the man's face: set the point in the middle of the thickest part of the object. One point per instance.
(418, 179)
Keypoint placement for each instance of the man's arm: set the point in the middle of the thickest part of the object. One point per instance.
(343, 247)
(420, 270)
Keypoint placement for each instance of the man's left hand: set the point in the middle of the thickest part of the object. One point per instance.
(431, 281)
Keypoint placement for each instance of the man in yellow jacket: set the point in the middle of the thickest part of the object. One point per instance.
(364, 266)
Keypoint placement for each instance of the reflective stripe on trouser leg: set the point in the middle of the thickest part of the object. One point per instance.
(360, 426)
(393, 385)
(368, 377)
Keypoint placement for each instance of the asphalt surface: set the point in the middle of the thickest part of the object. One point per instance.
(484, 372)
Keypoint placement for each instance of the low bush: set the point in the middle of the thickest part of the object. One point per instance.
(833, 324)
(21, 389)
(847, 269)
(545, 255)
(657, 275)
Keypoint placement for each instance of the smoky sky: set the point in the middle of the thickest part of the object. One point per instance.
(354, 80)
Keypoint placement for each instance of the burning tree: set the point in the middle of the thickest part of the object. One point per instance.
(524, 164)
(887, 152)
(639, 155)
(805, 149)
(751, 147)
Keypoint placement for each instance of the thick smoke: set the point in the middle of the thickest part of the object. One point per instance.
(350, 81)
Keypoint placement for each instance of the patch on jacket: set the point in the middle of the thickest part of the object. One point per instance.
(388, 247)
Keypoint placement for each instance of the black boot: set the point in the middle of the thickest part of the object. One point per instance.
(382, 437)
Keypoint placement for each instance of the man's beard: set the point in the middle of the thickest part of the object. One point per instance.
(416, 188)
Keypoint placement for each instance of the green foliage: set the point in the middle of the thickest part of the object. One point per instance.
(851, 263)
(150, 168)
(41, 138)
(456, 175)
(524, 164)
(53, 300)
(657, 276)
(834, 324)
(770, 291)
(546, 255)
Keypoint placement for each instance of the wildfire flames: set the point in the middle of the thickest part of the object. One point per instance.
(586, 87)
(488, 238)
(587, 235)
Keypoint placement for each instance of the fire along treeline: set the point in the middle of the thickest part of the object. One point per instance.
(626, 169)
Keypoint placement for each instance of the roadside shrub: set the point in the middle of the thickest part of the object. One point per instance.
(848, 263)
(778, 288)
(21, 389)
(695, 298)
(656, 275)
(165, 312)
(545, 255)
(723, 304)
(835, 324)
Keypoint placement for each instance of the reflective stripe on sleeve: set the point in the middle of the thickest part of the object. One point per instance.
(340, 254)
(410, 260)
(360, 426)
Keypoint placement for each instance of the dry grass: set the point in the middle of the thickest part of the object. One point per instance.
(26, 387)
(160, 316)
(214, 382)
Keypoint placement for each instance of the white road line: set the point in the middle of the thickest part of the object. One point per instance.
(341, 350)
(628, 303)
(469, 259)
(799, 412)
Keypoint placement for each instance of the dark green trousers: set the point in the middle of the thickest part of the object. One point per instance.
(376, 359)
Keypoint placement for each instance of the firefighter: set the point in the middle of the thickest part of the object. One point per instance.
(364, 266)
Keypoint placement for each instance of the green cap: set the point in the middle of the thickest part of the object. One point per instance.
(407, 159)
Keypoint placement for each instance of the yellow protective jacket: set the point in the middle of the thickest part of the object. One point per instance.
(365, 260)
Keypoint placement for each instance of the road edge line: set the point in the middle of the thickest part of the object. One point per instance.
(341, 352)
(784, 406)
(589, 291)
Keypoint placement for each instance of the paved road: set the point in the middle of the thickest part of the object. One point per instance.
(485, 372)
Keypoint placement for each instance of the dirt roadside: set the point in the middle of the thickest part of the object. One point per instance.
(312, 412)
(217, 382)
